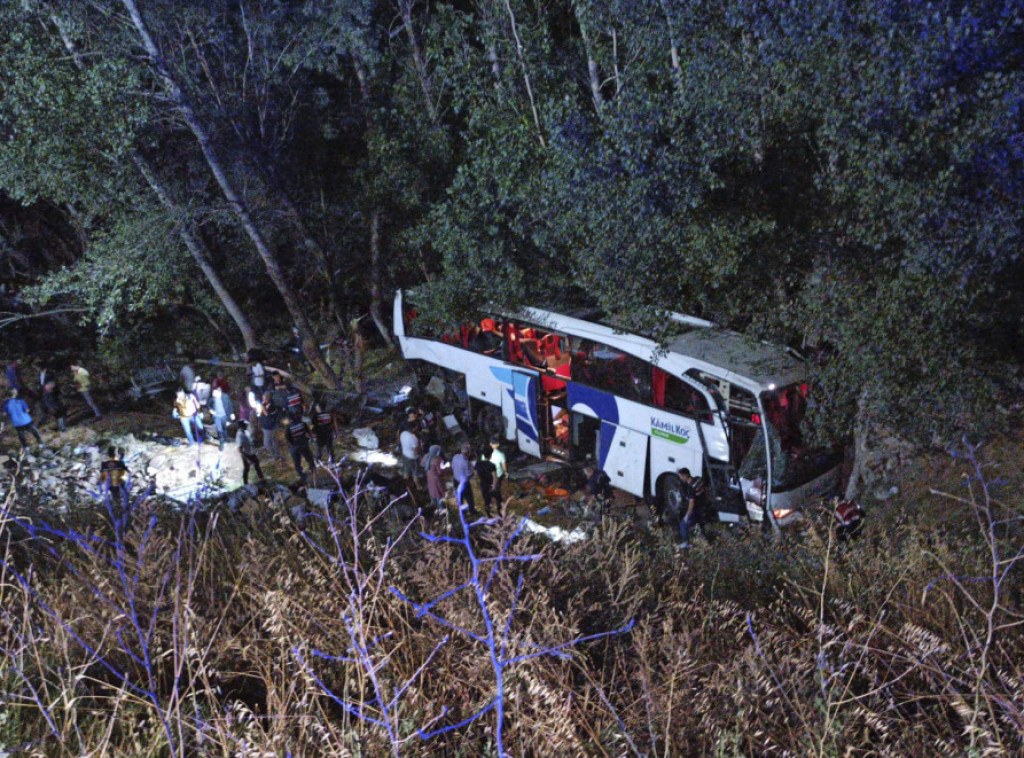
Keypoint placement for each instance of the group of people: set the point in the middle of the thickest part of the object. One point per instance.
(429, 470)
(269, 403)
(51, 401)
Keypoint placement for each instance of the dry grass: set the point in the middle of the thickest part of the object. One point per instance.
(199, 635)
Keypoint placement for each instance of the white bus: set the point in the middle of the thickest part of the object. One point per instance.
(724, 406)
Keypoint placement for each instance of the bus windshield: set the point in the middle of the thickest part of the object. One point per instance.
(793, 462)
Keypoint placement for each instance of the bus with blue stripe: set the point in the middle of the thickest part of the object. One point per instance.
(569, 387)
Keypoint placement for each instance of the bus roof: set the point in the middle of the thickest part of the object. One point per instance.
(750, 363)
(754, 365)
(768, 365)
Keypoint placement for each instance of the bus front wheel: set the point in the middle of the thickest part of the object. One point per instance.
(670, 490)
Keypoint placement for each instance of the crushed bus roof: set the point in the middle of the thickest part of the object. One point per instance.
(750, 363)
(762, 362)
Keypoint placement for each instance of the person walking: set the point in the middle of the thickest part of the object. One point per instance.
(463, 472)
(53, 404)
(249, 459)
(187, 410)
(17, 410)
(297, 435)
(434, 465)
(487, 474)
(223, 411)
(84, 382)
(323, 430)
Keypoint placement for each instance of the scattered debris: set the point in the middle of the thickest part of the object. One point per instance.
(366, 438)
(555, 533)
(151, 381)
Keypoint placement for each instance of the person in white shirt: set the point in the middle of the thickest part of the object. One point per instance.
(410, 445)
(500, 469)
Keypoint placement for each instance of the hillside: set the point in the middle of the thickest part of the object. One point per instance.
(273, 623)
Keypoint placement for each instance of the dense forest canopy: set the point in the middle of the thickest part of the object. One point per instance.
(845, 177)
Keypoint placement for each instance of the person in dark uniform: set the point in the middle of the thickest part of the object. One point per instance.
(689, 501)
(323, 430)
(599, 487)
(297, 434)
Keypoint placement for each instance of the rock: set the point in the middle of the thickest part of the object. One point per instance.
(366, 438)
(883, 494)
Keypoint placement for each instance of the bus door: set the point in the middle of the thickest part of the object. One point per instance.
(624, 457)
(524, 396)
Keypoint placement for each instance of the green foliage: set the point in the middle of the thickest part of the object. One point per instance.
(67, 129)
(842, 178)
(846, 178)
(133, 270)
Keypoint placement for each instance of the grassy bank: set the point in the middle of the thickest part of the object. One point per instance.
(168, 633)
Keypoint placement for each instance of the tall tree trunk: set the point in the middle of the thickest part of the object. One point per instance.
(405, 9)
(593, 73)
(192, 241)
(310, 347)
(526, 72)
(309, 243)
(861, 428)
(200, 253)
(376, 295)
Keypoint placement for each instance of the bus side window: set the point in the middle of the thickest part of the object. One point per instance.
(672, 393)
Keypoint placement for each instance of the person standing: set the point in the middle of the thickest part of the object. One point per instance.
(463, 472)
(268, 419)
(323, 429)
(429, 427)
(187, 410)
(187, 377)
(202, 390)
(688, 496)
(259, 375)
(410, 445)
(500, 468)
(222, 382)
(434, 465)
(486, 472)
(249, 459)
(53, 404)
(295, 407)
(17, 409)
(84, 383)
(297, 435)
(223, 411)
(599, 487)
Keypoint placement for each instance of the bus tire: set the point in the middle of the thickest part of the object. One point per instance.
(670, 497)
